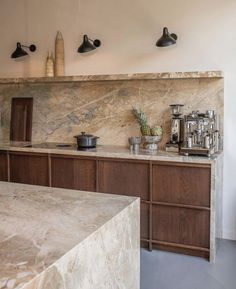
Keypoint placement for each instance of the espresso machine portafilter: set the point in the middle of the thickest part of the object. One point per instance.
(201, 133)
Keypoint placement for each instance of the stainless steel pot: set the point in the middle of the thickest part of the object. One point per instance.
(86, 140)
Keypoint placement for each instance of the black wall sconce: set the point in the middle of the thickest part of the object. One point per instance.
(19, 52)
(88, 44)
(166, 39)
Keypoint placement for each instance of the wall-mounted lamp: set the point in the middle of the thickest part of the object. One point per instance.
(19, 52)
(166, 39)
(88, 44)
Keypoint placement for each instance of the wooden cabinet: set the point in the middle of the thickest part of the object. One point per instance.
(124, 177)
(3, 166)
(181, 225)
(181, 207)
(182, 184)
(144, 221)
(131, 178)
(29, 168)
(73, 172)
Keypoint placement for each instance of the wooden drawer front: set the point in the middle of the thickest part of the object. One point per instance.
(29, 169)
(182, 185)
(73, 173)
(124, 178)
(181, 226)
(144, 222)
(3, 166)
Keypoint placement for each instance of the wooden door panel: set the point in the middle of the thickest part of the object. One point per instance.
(144, 222)
(124, 178)
(181, 225)
(3, 166)
(181, 184)
(73, 173)
(29, 168)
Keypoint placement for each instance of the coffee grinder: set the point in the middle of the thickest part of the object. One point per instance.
(176, 130)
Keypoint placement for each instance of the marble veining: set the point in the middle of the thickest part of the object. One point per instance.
(131, 76)
(50, 239)
(103, 108)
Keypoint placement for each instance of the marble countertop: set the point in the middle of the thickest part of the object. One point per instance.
(38, 225)
(111, 152)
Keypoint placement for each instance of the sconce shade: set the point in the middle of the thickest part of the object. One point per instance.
(166, 39)
(88, 45)
(19, 52)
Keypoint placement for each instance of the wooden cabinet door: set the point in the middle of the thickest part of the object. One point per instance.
(29, 168)
(144, 221)
(73, 173)
(181, 226)
(124, 178)
(181, 184)
(3, 166)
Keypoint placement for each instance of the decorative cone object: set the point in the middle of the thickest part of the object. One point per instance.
(49, 65)
(59, 55)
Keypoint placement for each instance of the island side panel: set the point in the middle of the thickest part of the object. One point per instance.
(107, 259)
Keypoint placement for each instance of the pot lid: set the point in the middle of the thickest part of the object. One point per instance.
(84, 135)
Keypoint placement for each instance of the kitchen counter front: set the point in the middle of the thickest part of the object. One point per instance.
(57, 238)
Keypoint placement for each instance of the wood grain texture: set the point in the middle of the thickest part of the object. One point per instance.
(144, 221)
(124, 178)
(181, 250)
(29, 168)
(181, 226)
(21, 119)
(181, 184)
(3, 166)
(73, 173)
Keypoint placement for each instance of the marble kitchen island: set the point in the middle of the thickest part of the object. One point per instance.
(65, 239)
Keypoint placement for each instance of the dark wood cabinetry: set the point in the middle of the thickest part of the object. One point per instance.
(124, 178)
(73, 173)
(29, 168)
(181, 184)
(181, 207)
(131, 178)
(3, 166)
(144, 221)
(181, 225)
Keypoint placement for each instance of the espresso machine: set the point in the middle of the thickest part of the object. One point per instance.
(176, 130)
(201, 133)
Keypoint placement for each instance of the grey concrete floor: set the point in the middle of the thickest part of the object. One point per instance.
(163, 270)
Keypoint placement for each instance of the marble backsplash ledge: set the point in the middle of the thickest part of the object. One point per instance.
(103, 108)
(115, 77)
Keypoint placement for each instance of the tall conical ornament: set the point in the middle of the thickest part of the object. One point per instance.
(59, 55)
(49, 65)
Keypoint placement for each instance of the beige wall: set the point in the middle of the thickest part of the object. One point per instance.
(128, 30)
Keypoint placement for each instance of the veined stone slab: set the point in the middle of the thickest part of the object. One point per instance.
(65, 239)
(104, 108)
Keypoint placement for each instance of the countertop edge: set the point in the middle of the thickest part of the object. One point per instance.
(116, 153)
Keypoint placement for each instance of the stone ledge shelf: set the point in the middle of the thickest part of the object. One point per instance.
(57, 238)
(114, 77)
